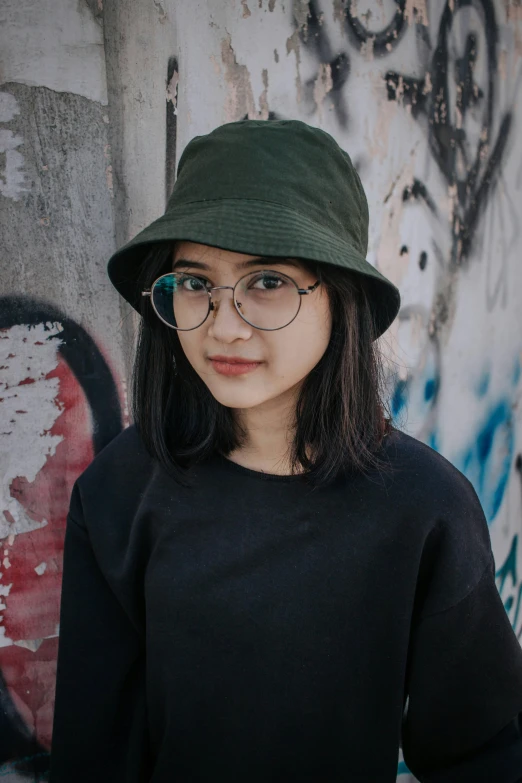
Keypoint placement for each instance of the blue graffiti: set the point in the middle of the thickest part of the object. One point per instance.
(487, 462)
(419, 391)
(430, 389)
(483, 385)
(399, 398)
(511, 594)
(488, 458)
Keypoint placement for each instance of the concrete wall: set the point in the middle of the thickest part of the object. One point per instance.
(96, 106)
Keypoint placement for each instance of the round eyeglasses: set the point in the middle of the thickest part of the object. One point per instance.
(265, 299)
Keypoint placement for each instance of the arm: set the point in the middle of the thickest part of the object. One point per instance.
(100, 719)
(499, 758)
(465, 693)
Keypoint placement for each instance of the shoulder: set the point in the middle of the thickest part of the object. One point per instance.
(107, 502)
(116, 475)
(443, 514)
(122, 452)
(422, 474)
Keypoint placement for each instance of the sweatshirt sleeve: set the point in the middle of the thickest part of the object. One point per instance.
(100, 725)
(464, 672)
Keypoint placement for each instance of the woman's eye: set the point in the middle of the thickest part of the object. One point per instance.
(267, 282)
(193, 284)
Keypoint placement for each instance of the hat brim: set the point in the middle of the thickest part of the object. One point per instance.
(256, 228)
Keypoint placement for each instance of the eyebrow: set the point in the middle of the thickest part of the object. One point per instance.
(185, 263)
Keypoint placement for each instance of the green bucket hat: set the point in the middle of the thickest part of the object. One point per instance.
(267, 188)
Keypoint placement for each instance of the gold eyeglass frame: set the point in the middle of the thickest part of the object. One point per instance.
(301, 291)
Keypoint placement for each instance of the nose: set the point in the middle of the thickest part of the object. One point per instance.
(225, 323)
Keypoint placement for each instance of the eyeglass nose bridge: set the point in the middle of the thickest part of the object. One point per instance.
(219, 288)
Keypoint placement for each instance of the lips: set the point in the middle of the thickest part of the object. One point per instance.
(233, 365)
(233, 360)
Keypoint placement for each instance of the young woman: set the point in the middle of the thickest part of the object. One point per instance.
(264, 580)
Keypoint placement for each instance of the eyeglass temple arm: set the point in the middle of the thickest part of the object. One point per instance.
(301, 291)
(308, 290)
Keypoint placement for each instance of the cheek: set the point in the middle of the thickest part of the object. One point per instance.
(299, 350)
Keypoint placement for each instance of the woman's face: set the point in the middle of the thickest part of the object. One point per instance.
(285, 356)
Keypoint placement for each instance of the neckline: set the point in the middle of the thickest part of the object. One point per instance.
(259, 474)
(298, 477)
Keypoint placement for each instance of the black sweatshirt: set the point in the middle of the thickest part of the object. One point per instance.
(249, 629)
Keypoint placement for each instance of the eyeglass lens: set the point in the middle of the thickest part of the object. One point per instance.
(265, 299)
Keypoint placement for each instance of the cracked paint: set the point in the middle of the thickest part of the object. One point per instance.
(27, 356)
(301, 10)
(13, 179)
(416, 12)
(263, 98)
(339, 11)
(4, 592)
(293, 45)
(172, 90)
(54, 439)
(240, 97)
(322, 86)
(30, 644)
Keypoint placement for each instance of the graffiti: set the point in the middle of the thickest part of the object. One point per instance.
(336, 66)
(63, 403)
(171, 125)
(509, 583)
(457, 111)
(438, 77)
(315, 37)
(510, 587)
(460, 128)
(455, 101)
(487, 462)
(62, 407)
(380, 42)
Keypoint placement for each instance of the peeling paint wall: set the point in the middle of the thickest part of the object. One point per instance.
(95, 113)
(62, 361)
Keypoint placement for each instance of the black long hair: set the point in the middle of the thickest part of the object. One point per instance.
(341, 414)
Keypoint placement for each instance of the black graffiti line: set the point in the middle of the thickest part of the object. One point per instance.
(507, 245)
(445, 139)
(486, 188)
(418, 191)
(382, 41)
(445, 136)
(317, 40)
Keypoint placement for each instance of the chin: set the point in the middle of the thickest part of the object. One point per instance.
(236, 398)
